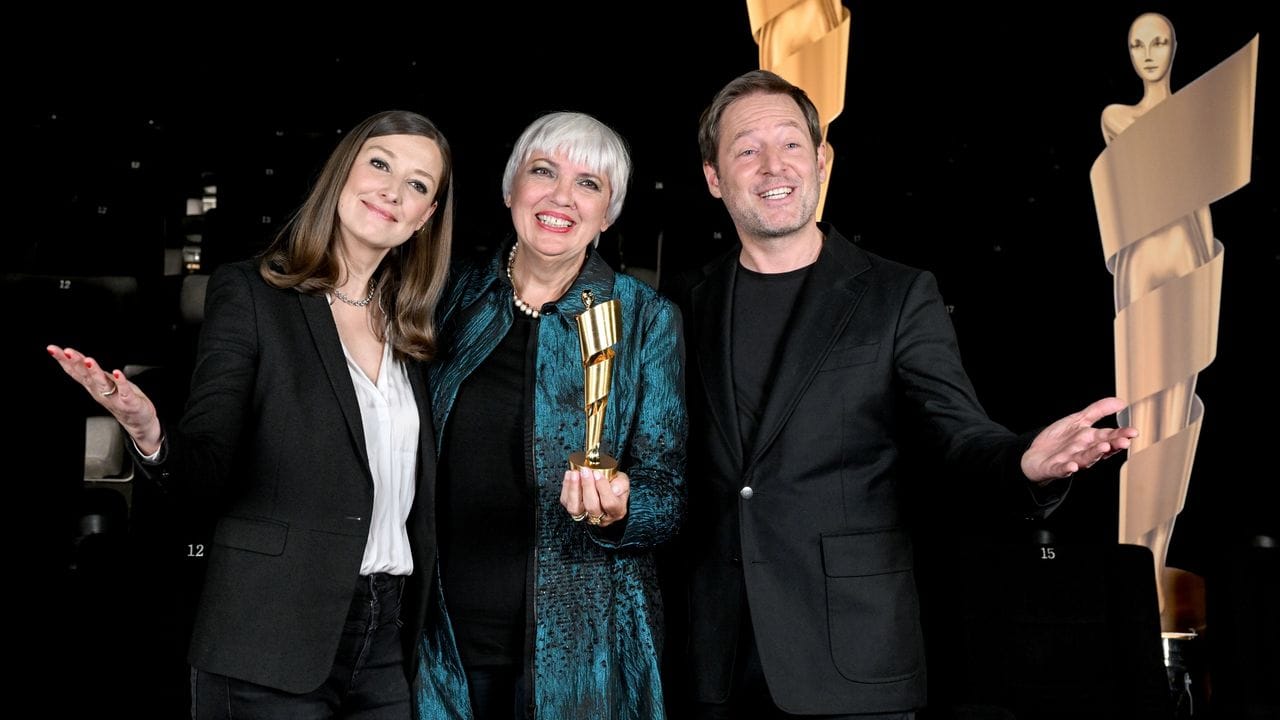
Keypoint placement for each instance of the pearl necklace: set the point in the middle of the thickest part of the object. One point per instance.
(525, 307)
(357, 303)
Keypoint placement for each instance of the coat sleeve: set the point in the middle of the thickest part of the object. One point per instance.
(942, 398)
(655, 456)
(197, 458)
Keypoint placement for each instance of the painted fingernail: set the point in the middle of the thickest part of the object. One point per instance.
(617, 488)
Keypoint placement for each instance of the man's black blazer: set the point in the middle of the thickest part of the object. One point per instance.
(826, 560)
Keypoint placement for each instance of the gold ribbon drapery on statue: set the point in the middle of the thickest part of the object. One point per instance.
(1152, 187)
(807, 43)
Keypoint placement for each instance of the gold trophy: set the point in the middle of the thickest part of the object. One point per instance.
(807, 43)
(597, 333)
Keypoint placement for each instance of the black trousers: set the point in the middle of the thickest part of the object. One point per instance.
(367, 680)
(497, 692)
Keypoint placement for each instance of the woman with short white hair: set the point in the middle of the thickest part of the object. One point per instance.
(549, 603)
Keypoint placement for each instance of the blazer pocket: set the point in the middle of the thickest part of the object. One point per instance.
(851, 355)
(253, 534)
(873, 614)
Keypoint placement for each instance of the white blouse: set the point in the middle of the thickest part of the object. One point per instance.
(390, 416)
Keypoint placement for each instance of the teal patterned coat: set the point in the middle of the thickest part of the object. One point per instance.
(597, 633)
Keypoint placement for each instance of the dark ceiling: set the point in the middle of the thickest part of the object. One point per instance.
(961, 117)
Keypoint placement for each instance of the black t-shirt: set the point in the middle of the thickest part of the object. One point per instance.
(762, 305)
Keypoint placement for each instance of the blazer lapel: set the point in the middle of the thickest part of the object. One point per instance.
(827, 301)
(712, 318)
(329, 347)
(422, 515)
(417, 372)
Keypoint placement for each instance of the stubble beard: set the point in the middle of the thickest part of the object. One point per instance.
(752, 222)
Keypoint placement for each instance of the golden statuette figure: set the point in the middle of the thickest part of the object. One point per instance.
(807, 43)
(598, 327)
(1167, 158)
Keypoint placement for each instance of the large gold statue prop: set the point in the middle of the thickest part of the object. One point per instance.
(1168, 157)
(806, 42)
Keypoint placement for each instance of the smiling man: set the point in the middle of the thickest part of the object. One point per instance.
(811, 363)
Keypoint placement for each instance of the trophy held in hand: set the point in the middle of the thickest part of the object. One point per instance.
(598, 327)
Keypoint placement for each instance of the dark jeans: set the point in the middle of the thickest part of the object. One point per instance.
(367, 680)
(497, 692)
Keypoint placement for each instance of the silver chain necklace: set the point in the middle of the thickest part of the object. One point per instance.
(357, 303)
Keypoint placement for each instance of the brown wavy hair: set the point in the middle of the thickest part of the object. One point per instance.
(412, 276)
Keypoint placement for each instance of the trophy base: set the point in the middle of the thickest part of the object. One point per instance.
(606, 464)
(1185, 672)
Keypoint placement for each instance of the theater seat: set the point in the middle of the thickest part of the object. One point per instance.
(191, 299)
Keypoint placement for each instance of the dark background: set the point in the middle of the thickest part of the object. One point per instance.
(964, 147)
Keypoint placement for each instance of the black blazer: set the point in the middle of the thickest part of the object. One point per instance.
(272, 434)
(826, 560)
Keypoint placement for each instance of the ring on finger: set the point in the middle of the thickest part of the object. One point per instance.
(595, 519)
(108, 393)
(579, 516)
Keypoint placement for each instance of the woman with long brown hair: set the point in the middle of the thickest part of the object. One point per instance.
(309, 428)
